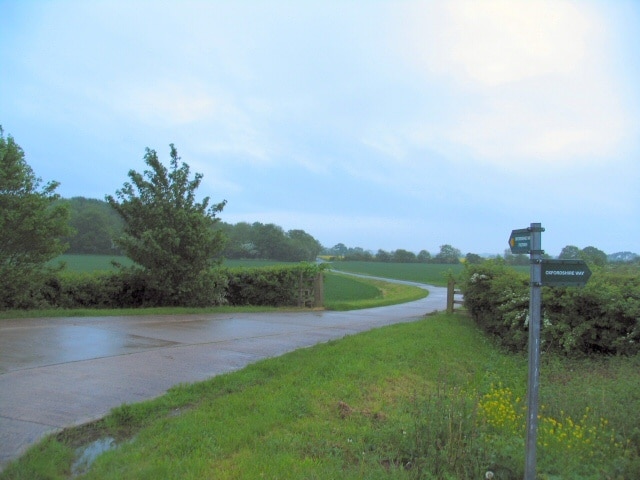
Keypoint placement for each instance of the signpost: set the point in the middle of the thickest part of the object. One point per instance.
(520, 241)
(544, 272)
(565, 273)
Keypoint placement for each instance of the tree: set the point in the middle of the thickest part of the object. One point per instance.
(166, 231)
(96, 224)
(594, 256)
(448, 254)
(31, 225)
(424, 256)
(383, 256)
(304, 247)
(473, 258)
(570, 252)
(340, 249)
(404, 256)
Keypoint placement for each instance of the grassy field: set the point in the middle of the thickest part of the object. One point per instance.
(342, 292)
(429, 273)
(432, 274)
(90, 263)
(429, 399)
(98, 263)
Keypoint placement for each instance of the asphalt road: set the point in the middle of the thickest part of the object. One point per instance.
(60, 372)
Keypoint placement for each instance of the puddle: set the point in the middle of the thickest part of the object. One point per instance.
(87, 454)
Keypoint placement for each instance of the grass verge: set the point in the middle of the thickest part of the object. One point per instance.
(429, 399)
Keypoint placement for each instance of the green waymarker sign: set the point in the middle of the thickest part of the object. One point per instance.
(564, 273)
(520, 241)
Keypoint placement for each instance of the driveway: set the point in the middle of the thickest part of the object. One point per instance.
(60, 372)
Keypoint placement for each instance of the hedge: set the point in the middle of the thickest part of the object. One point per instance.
(601, 318)
(134, 287)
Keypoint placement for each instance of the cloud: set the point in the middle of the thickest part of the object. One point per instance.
(528, 81)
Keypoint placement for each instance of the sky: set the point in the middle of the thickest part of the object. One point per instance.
(376, 124)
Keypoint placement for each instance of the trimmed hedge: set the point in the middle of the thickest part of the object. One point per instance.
(133, 288)
(601, 318)
(274, 286)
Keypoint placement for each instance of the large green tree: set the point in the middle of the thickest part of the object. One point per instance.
(31, 225)
(96, 224)
(167, 232)
(594, 256)
(448, 254)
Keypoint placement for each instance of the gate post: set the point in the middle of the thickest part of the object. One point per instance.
(450, 294)
(318, 290)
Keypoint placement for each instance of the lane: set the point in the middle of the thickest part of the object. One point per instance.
(59, 372)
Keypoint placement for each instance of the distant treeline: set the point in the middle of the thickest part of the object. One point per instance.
(95, 224)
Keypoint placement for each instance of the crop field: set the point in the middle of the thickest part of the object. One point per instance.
(433, 274)
(429, 273)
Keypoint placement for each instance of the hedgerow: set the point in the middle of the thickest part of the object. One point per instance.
(134, 287)
(602, 317)
(273, 286)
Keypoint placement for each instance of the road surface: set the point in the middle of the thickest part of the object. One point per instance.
(61, 372)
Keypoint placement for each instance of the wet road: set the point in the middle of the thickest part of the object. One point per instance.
(59, 372)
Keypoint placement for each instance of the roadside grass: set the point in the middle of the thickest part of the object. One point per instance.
(428, 399)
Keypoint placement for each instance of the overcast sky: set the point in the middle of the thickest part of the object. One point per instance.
(377, 124)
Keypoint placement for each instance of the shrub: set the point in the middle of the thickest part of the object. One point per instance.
(273, 286)
(602, 317)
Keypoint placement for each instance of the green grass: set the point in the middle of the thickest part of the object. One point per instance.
(418, 400)
(98, 263)
(429, 273)
(90, 263)
(343, 292)
(432, 274)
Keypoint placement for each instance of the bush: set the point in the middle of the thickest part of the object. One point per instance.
(602, 317)
(273, 286)
(135, 288)
(128, 288)
(498, 299)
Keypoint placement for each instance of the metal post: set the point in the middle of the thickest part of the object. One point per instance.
(535, 301)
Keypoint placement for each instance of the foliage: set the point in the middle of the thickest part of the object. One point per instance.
(498, 300)
(601, 317)
(31, 223)
(170, 235)
(273, 286)
(269, 241)
(95, 224)
(448, 254)
(591, 255)
(126, 288)
(567, 446)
